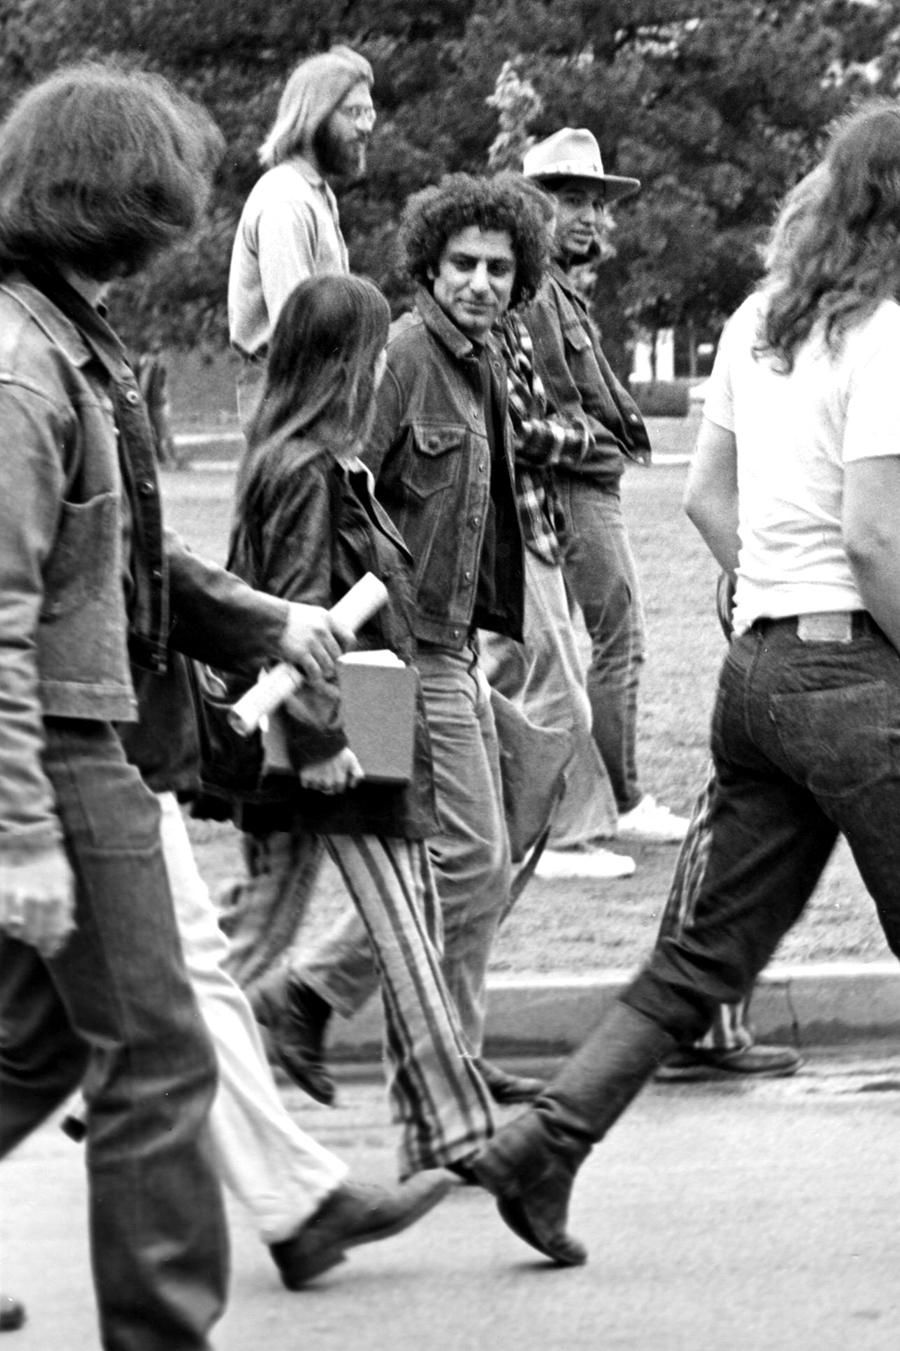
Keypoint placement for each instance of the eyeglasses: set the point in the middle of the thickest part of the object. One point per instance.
(362, 114)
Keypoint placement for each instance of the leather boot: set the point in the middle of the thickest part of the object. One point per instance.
(530, 1165)
(355, 1213)
(296, 1018)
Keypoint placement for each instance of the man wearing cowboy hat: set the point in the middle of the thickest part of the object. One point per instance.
(597, 558)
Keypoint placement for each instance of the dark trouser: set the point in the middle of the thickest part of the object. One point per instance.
(806, 743)
(730, 1029)
(118, 995)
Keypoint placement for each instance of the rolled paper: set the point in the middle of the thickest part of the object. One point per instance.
(277, 684)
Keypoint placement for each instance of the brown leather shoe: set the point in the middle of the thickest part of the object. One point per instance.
(699, 1064)
(12, 1313)
(508, 1089)
(296, 1018)
(356, 1213)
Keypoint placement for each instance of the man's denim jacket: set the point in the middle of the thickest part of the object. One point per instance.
(430, 454)
(68, 513)
(580, 385)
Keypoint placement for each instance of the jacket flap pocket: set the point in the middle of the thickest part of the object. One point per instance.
(437, 438)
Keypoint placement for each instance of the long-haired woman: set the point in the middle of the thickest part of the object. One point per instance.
(795, 487)
(307, 528)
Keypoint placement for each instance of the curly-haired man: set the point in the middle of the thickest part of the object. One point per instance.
(441, 453)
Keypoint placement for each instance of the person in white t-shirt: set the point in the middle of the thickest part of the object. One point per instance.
(795, 488)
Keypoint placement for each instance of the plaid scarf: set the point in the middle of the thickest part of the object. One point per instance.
(539, 442)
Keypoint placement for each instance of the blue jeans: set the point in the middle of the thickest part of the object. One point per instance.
(806, 745)
(602, 581)
(469, 853)
(117, 1002)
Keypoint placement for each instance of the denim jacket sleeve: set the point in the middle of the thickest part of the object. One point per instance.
(217, 617)
(32, 489)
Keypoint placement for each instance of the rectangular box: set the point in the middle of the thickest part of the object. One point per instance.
(378, 705)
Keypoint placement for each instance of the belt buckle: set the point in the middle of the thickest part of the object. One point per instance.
(833, 626)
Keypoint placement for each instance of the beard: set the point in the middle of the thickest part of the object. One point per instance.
(338, 157)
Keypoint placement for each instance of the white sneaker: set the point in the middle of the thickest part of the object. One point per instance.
(583, 861)
(650, 820)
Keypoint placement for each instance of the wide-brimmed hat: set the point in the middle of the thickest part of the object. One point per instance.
(573, 152)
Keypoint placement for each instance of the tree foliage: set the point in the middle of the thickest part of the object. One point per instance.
(716, 105)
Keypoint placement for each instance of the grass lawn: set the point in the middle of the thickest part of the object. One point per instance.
(583, 926)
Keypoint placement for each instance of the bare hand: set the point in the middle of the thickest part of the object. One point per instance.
(336, 775)
(37, 900)
(313, 641)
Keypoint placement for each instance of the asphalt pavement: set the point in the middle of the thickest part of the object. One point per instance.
(719, 1218)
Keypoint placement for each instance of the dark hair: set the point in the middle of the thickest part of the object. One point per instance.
(321, 367)
(834, 251)
(433, 215)
(100, 168)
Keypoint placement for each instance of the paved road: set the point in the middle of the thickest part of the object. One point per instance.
(718, 1218)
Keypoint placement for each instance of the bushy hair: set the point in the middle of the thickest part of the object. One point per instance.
(100, 168)
(834, 251)
(320, 374)
(435, 214)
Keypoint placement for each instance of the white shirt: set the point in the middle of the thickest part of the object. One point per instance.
(288, 231)
(794, 435)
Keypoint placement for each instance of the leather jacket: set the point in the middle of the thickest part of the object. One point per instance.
(431, 457)
(311, 531)
(580, 384)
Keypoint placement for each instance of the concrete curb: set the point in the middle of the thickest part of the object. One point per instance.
(532, 1015)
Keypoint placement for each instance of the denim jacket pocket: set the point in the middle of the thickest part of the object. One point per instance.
(78, 566)
(435, 463)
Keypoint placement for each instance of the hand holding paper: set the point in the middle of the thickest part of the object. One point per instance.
(274, 686)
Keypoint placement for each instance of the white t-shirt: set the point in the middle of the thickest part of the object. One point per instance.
(794, 434)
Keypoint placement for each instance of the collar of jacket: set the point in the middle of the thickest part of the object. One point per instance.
(73, 323)
(444, 329)
(559, 274)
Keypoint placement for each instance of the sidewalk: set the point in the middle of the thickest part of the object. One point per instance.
(827, 1005)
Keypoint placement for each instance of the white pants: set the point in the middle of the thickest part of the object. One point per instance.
(543, 675)
(279, 1173)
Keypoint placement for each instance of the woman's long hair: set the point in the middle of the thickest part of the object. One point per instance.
(320, 377)
(100, 168)
(834, 252)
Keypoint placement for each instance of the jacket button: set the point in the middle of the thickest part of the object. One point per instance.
(156, 574)
(467, 575)
(146, 488)
(132, 396)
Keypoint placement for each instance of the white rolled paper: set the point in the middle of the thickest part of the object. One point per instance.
(275, 685)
